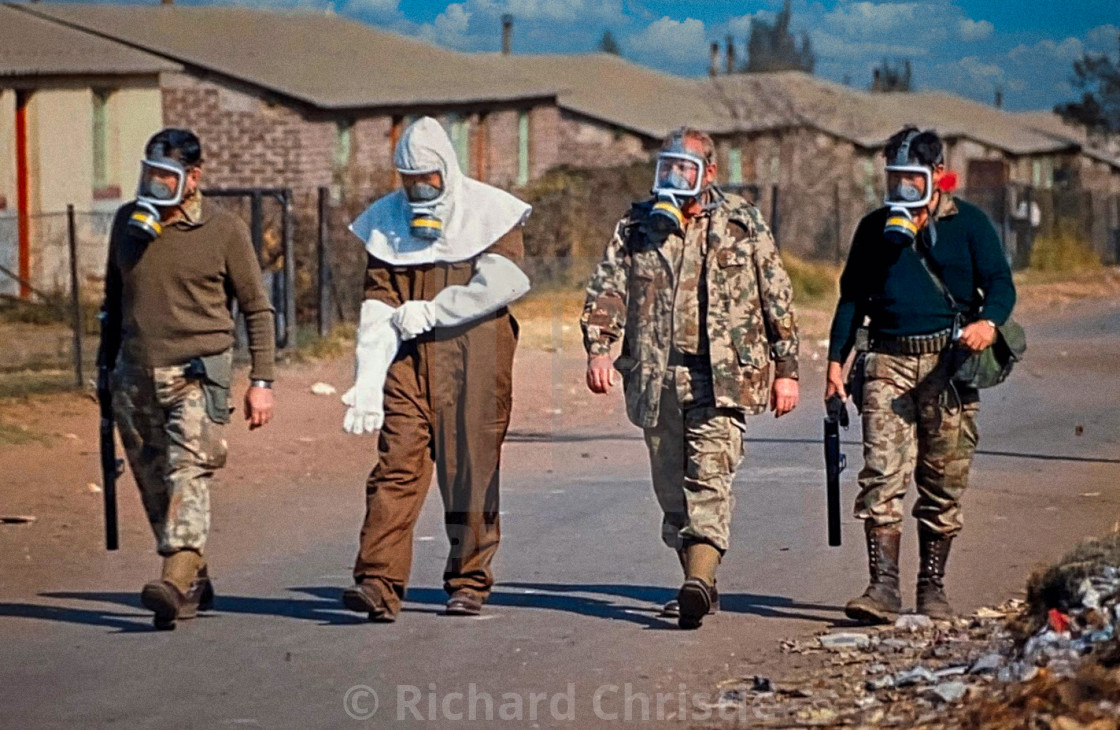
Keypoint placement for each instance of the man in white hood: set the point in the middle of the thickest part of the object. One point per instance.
(434, 368)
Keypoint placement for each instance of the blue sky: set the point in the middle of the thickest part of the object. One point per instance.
(970, 47)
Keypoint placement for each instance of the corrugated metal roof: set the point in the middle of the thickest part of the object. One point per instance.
(869, 119)
(615, 91)
(611, 89)
(316, 57)
(31, 46)
(1053, 125)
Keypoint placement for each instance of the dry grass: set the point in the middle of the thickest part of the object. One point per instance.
(1063, 251)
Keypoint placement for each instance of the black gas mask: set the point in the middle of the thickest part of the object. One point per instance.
(163, 181)
(422, 199)
(909, 190)
(679, 178)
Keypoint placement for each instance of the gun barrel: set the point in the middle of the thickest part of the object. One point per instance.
(834, 464)
(109, 479)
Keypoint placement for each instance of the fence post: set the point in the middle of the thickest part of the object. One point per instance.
(324, 263)
(836, 223)
(775, 222)
(289, 271)
(1028, 238)
(75, 294)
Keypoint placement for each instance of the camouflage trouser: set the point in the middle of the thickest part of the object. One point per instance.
(173, 447)
(914, 423)
(694, 450)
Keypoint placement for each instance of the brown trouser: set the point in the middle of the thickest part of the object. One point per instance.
(447, 406)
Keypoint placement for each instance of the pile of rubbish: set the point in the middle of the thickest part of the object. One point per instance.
(1051, 661)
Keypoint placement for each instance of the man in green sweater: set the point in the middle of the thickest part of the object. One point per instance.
(915, 420)
(176, 262)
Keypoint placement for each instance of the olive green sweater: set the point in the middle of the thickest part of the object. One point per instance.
(170, 300)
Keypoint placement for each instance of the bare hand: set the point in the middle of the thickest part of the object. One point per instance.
(258, 406)
(784, 396)
(978, 335)
(600, 374)
(834, 382)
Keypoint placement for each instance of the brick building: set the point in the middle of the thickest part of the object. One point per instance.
(305, 99)
(73, 111)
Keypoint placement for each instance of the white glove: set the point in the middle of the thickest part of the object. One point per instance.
(377, 346)
(414, 318)
(497, 281)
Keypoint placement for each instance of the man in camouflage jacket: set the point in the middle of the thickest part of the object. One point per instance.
(702, 313)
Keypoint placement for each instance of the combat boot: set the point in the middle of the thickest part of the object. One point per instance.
(179, 590)
(882, 600)
(672, 609)
(697, 595)
(934, 553)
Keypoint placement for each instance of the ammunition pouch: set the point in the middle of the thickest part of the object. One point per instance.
(216, 375)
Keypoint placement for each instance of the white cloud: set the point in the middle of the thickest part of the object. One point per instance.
(373, 8)
(1048, 50)
(975, 30)
(1102, 38)
(449, 27)
(740, 26)
(562, 11)
(665, 39)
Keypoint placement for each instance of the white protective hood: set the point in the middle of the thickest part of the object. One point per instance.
(474, 214)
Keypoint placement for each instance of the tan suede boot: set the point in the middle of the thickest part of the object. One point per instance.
(177, 593)
(695, 597)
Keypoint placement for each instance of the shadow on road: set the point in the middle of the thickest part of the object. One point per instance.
(573, 598)
(324, 608)
(607, 601)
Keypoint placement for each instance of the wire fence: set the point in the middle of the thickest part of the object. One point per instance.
(314, 268)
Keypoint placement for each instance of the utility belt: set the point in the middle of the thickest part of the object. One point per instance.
(929, 344)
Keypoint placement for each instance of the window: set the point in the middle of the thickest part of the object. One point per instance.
(459, 129)
(101, 138)
(343, 144)
(343, 138)
(735, 166)
(523, 147)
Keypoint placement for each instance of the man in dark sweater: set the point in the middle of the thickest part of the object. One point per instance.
(176, 262)
(915, 420)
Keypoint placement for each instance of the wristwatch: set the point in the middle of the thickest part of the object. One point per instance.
(991, 324)
(258, 383)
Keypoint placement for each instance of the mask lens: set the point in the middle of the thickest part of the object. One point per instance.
(906, 187)
(422, 192)
(160, 183)
(677, 173)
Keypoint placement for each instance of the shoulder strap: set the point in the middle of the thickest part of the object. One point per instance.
(923, 257)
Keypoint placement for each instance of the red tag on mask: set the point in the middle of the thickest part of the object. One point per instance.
(948, 182)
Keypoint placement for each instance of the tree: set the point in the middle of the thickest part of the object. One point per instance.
(1098, 78)
(891, 77)
(607, 44)
(771, 46)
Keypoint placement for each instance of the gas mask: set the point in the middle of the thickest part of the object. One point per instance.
(422, 199)
(162, 183)
(679, 177)
(909, 189)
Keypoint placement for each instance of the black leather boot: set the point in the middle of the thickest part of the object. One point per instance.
(934, 552)
(882, 600)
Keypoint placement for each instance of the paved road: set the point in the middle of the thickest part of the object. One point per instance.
(571, 637)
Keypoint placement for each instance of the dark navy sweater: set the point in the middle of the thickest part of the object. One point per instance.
(890, 286)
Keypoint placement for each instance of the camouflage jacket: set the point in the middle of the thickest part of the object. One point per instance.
(750, 319)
